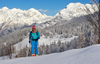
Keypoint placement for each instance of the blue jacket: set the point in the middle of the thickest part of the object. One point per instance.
(34, 35)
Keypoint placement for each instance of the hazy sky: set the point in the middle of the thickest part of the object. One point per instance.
(49, 7)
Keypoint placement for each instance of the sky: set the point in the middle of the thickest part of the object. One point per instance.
(49, 7)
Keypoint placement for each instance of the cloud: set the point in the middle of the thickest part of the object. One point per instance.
(41, 10)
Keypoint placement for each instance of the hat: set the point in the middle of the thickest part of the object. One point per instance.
(33, 27)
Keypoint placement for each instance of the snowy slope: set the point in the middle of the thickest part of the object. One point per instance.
(88, 55)
(43, 40)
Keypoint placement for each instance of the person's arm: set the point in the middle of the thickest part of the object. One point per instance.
(38, 35)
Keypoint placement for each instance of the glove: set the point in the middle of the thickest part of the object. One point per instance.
(29, 41)
(37, 37)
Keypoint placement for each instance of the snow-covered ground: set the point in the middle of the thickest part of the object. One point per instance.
(88, 55)
(42, 40)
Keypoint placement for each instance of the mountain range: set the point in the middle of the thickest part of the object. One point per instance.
(13, 19)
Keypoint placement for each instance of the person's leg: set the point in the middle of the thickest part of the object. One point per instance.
(32, 48)
(36, 48)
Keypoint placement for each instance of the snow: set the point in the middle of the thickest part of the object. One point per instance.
(88, 55)
(48, 41)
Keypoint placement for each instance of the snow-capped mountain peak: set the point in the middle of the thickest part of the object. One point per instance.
(73, 5)
(75, 10)
(4, 8)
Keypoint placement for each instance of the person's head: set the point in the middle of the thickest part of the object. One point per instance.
(33, 28)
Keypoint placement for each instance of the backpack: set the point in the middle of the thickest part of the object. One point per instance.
(36, 33)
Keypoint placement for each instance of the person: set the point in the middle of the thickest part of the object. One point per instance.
(34, 36)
